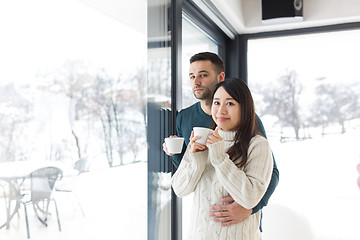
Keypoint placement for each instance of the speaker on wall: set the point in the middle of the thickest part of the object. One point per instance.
(282, 10)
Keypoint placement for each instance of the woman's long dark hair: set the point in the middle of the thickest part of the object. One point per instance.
(239, 91)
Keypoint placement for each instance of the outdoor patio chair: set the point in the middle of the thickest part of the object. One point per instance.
(42, 183)
(82, 165)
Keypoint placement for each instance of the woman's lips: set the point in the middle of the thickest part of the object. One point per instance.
(222, 119)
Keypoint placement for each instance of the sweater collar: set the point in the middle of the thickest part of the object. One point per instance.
(227, 136)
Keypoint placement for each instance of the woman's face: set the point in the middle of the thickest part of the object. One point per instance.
(225, 111)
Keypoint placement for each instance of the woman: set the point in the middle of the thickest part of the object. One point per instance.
(236, 161)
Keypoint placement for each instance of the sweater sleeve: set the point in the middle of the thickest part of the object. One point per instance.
(246, 186)
(270, 190)
(274, 177)
(188, 174)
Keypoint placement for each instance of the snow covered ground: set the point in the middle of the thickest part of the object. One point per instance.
(114, 201)
(318, 181)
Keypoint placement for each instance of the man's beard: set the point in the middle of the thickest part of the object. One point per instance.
(204, 95)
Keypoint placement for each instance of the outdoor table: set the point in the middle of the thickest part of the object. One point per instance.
(12, 175)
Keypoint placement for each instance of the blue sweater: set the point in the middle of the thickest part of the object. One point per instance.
(194, 116)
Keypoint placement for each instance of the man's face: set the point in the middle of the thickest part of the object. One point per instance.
(203, 78)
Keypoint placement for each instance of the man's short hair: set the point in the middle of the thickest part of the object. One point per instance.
(212, 57)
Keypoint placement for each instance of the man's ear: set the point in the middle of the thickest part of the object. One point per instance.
(221, 77)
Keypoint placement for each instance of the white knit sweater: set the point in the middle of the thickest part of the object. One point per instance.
(211, 175)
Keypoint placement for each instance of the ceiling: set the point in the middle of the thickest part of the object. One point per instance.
(238, 16)
(245, 16)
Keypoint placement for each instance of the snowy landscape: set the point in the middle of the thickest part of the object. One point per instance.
(318, 181)
(114, 201)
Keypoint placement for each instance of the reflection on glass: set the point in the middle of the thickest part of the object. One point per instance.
(159, 120)
(194, 41)
(73, 95)
(307, 98)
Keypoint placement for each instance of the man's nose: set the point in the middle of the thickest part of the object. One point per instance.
(197, 81)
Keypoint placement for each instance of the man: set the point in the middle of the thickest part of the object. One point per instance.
(206, 70)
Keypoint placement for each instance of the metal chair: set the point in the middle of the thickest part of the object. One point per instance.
(42, 183)
(82, 165)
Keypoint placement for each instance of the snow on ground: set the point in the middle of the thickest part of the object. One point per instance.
(114, 201)
(318, 181)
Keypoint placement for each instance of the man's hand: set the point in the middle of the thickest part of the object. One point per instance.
(165, 147)
(229, 214)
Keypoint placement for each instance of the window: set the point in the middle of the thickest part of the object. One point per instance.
(73, 86)
(306, 90)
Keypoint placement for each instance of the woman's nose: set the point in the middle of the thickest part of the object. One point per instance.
(222, 109)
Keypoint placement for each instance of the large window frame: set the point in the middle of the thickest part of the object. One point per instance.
(291, 33)
(238, 57)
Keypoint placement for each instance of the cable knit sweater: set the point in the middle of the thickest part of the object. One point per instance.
(211, 175)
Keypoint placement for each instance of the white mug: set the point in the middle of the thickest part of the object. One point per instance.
(174, 144)
(203, 132)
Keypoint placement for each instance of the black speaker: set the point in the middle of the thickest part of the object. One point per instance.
(274, 9)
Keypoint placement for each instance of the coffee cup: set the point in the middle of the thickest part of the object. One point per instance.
(203, 132)
(174, 144)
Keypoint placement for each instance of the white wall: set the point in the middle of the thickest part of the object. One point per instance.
(315, 13)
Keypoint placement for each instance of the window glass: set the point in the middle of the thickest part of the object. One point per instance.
(194, 40)
(306, 91)
(73, 93)
(159, 120)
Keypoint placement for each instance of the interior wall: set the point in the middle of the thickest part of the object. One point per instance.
(315, 13)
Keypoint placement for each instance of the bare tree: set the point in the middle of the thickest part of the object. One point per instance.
(140, 80)
(336, 103)
(108, 101)
(96, 104)
(281, 99)
(15, 114)
(70, 79)
(101, 99)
